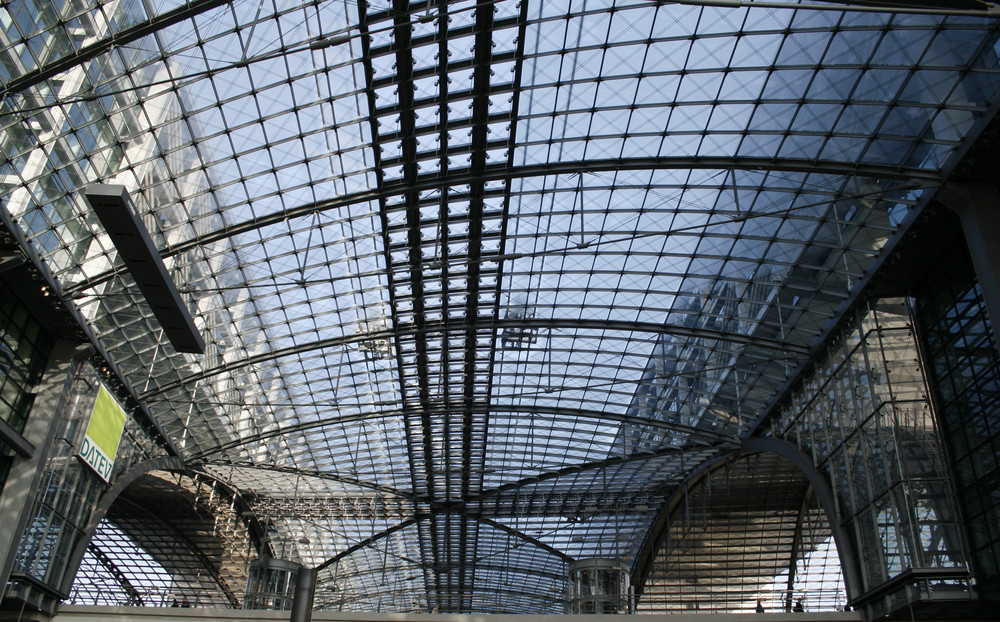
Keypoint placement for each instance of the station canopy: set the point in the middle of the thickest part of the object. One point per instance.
(481, 284)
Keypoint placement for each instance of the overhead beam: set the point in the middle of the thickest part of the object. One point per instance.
(500, 171)
(520, 535)
(406, 564)
(442, 326)
(963, 8)
(475, 423)
(417, 444)
(416, 401)
(600, 464)
(333, 477)
(385, 533)
(364, 22)
(462, 506)
(370, 540)
(526, 410)
(920, 5)
(135, 247)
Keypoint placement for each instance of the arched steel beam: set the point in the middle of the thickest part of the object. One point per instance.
(385, 533)
(500, 171)
(255, 529)
(461, 507)
(590, 466)
(965, 8)
(206, 562)
(123, 481)
(824, 494)
(529, 601)
(448, 326)
(444, 409)
(187, 10)
(523, 536)
(818, 482)
(408, 565)
(352, 481)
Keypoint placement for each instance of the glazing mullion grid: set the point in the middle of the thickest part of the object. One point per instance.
(159, 545)
(403, 54)
(302, 263)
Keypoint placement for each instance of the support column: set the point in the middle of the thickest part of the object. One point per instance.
(793, 557)
(44, 419)
(305, 592)
(978, 207)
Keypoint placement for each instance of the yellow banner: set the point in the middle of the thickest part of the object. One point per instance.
(104, 432)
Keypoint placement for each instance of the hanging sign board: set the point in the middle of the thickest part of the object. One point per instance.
(100, 444)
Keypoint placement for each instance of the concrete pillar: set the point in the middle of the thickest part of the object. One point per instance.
(305, 592)
(44, 420)
(978, 207)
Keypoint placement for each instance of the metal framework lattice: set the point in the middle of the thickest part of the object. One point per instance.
(482, 283)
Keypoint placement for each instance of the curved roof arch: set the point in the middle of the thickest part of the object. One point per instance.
(912, 177)
(515, 323)
(416, 519)
(534, 260)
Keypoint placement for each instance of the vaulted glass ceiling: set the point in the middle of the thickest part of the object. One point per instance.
(480, 282)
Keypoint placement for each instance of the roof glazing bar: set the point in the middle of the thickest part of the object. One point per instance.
(959, 8)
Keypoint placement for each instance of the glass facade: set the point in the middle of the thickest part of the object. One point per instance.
(24, 352)
(67, 497)
(864, 416)
(483, 283)
(965, 367)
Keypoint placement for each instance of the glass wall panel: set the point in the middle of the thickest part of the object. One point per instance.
(965, 370)
(864, 416)
(68, 496)
(24, 351)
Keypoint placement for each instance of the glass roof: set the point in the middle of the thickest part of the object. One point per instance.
(478, 281)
